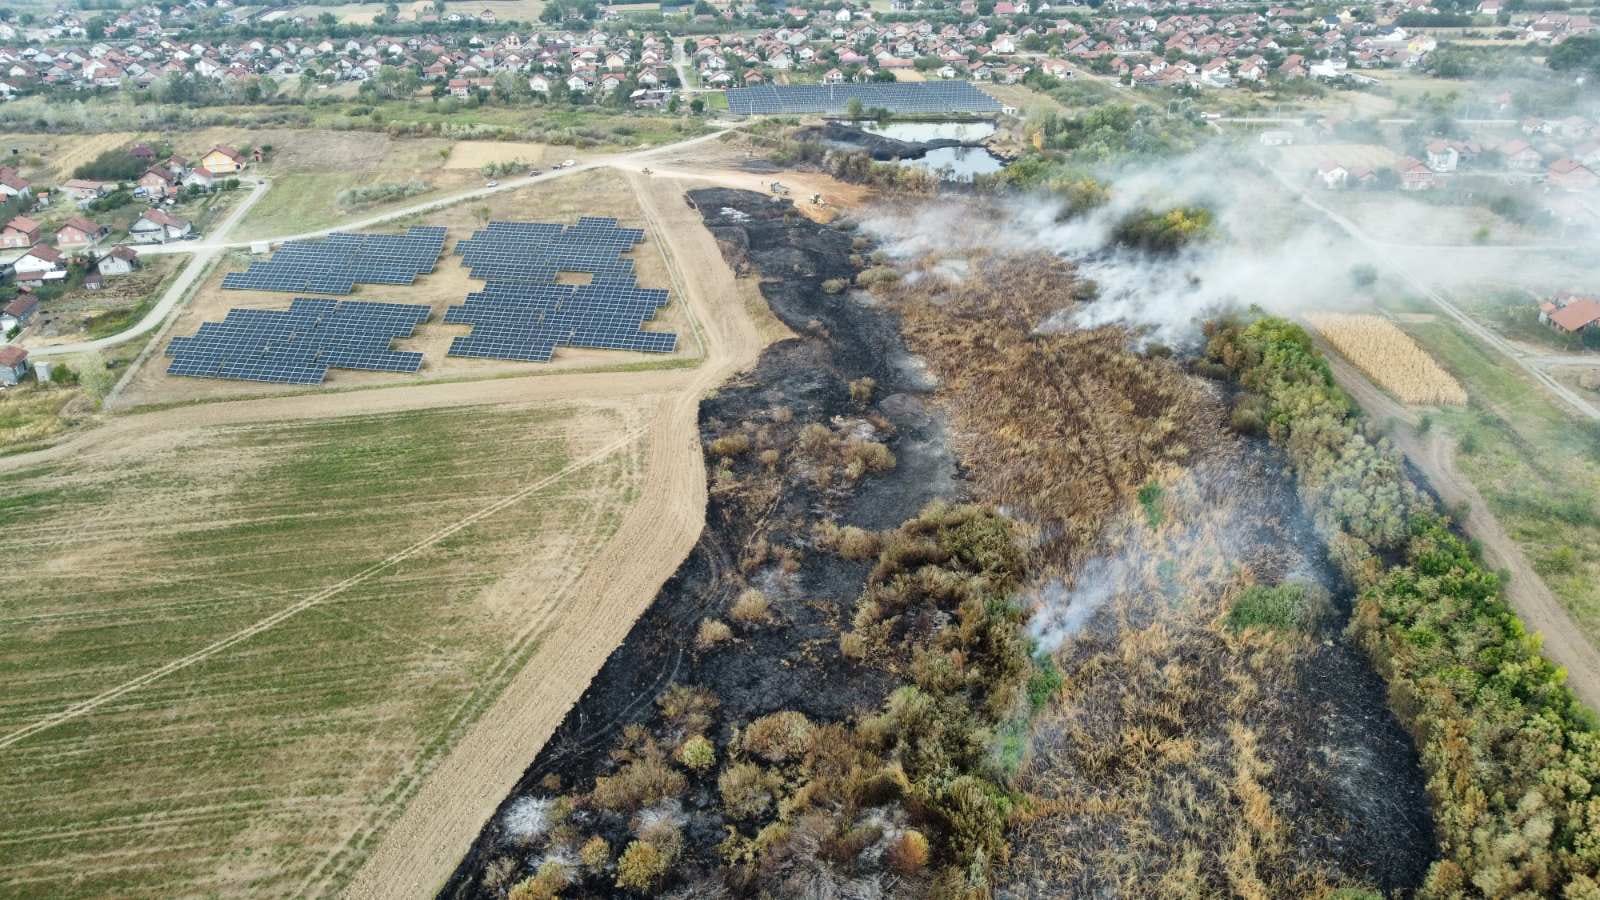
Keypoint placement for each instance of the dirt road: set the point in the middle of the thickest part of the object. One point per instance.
(423, 846)
(1432, 454)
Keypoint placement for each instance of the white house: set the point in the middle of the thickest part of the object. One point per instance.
(157, 227)
(1332, 175)
(39, 258)
(1442, 157)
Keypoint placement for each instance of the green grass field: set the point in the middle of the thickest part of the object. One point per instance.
(1537, 465)
(263, 770)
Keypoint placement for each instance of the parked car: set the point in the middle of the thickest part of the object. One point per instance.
(493, 183)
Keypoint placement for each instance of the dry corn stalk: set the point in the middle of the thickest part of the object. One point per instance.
(1389, 357)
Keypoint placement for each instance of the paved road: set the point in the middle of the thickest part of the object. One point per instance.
(1396, 263)
(206, 251)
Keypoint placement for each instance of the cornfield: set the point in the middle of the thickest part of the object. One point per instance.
(1389, 357)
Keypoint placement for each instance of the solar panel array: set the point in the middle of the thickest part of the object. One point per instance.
(932, 97)
(522, 313)
(300, 344)
(337, 263)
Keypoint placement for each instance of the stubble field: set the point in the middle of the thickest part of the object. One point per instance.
(305, 687)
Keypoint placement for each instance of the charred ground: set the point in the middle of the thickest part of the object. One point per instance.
(834, 693)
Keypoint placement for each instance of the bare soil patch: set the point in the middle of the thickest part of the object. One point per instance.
(475, 154)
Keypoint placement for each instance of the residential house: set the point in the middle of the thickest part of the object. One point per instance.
(1577, 315)
(223, 160)
(1415, 175)
(12, 184)
(199, 176)
(1332, 175)
(19, 232)
(80, 232)
(1571, 175)
(122, 260)
(1442, 157)
(13, 364)
(157, 227)
(40, 259)
(159, 183)
(18, 312)
(1520, 156)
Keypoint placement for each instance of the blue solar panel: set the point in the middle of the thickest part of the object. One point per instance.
(928, 97)
(300, 344)
(523, 314)
(337, 263)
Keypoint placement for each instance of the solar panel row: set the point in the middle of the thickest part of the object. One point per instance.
(523, 314)
(337, 263)
(300, 344)
(926, 97)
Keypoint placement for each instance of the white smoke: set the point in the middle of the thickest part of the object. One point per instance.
(1060, 612)
(1272, 252)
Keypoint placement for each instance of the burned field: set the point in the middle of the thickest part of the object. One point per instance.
(1135, 681)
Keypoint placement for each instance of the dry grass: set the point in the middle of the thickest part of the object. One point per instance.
(1389, 357)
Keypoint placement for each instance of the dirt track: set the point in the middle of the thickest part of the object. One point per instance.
(423, 846)
(1431, 454)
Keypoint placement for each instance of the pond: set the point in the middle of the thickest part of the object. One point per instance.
(956, 163)
(931, 131)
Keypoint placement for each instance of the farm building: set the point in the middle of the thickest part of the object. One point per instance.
(13, 364)
(83, 191)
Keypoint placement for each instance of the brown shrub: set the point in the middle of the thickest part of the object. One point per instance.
(641, 783)
(908, 853)
(779, 737)
(712, 632)
(849, 541)
(687, 708)
(751, 608)
(770, 458)
(862, 457)
(861, 390)
(595, 854)
(857, 543)
(815, 440)
(641, 867)
(697, 753)
(853, 645)
(546, 884)
(747, 790)
(730, 445)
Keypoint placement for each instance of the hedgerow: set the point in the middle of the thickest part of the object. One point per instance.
(1511, 756)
